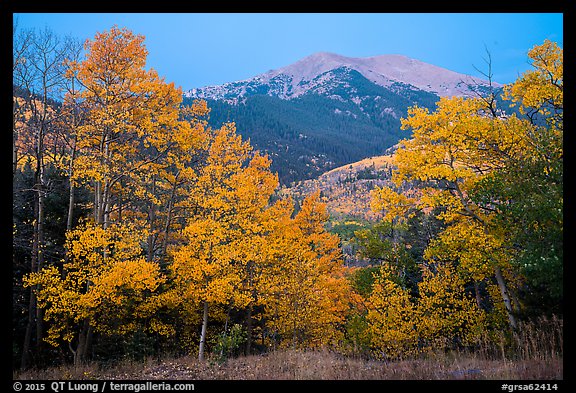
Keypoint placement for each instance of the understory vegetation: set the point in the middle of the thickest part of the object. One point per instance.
(536, 355)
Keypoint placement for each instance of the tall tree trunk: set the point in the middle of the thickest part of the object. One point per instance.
(203, 333)
(97, 187)
(71, 196)
(506, 298)
(26, 347)
(39, 312)
(83, 343)
(151, 241)
(477, 293)
(34, 323)
(249, 330)
(105, 213)
(70, 207)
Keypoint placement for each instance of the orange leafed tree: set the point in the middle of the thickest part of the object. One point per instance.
(131, 136)
(132, 115)
(217, 262)
(304, 289)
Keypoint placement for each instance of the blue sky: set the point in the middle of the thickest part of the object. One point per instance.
(199, 49)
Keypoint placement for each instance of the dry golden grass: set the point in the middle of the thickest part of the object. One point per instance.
(311, 365)
(379, 162)
(535, 354)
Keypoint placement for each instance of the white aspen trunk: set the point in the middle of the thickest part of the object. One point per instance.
(71, 195)
(505, 297)
(203, 334)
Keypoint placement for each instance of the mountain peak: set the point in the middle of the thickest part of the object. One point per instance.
(311, 66)
(384, 70)
(327, 110)
(323, 55)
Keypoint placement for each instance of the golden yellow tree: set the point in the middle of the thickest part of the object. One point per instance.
(458, 160)
(444, 160)
(392, 317)
(305, 290)
(132, 137)
(105, 285)
(132, 115)
(165, 186)
(217, 264)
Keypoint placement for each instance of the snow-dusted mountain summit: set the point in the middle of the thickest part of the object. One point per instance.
(328, 110)
(314, 72)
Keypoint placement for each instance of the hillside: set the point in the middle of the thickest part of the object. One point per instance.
(346, 189)
(328, 110)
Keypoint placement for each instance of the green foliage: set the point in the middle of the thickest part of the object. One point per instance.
(386, 243)
(533, 216)
(357, 338)
(346, 228)
(229, 343)
(362, 280)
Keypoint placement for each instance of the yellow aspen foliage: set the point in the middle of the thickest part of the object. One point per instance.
(461, 147)
(451, 150)
(476, 249)
(218, 262)
(395, 205)
(448, 315)
(541, 89)
(392, 318)
(104, 281)
(59, 303)
(132, 117)
(167, 182)
(471, 238)
(539, 94)
(304, 289)
(203, 268)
